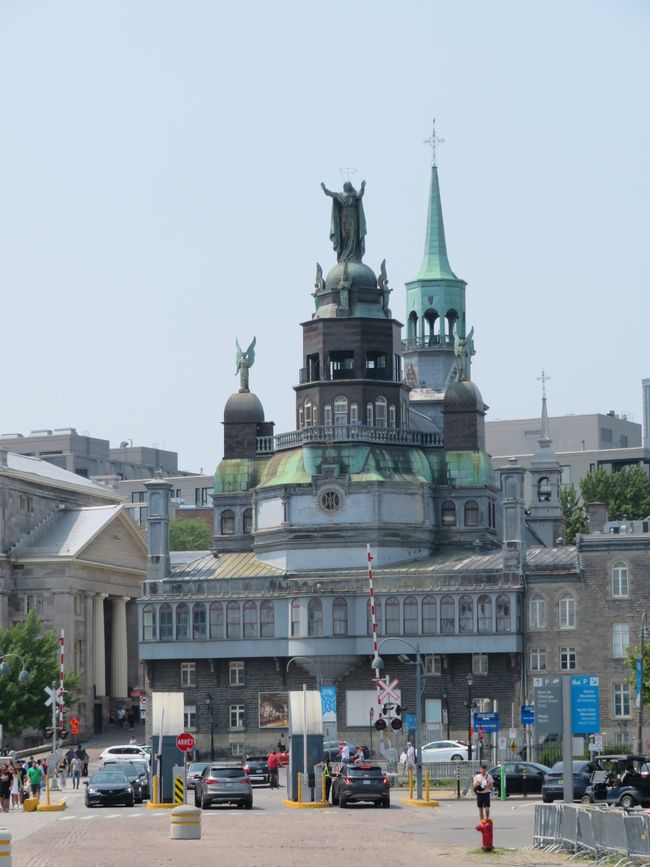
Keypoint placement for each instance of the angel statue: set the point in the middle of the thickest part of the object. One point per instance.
(245, 360)
(463, 350)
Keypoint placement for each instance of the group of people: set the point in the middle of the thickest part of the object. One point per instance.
(73, 765)
(122, 717)
(20, 780)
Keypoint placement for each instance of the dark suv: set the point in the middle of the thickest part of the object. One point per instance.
(257, 769)
(553, 785)
(361, 782)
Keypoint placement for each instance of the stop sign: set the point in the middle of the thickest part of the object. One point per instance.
(185, 742)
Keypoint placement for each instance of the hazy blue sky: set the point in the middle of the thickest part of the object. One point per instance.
(160, 165)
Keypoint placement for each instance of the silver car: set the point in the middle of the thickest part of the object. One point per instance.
(223, 784)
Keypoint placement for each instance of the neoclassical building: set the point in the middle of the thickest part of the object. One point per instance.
(69, 551)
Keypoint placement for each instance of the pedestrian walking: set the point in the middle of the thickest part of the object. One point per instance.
(77, 764)
(327, 773)
(16, 785)
(273, 763)
(483, 784)
(35, 775)
(410, 756)
(62, 772)
(6, 779)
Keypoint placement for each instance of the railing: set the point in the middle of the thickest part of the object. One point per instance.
(600, 833)
(432, 342)
(384, 374)
(355, 433)
(265, 445)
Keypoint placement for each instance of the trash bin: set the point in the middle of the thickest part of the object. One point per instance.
(185, 823)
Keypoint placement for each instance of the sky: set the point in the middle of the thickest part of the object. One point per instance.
(160, 170)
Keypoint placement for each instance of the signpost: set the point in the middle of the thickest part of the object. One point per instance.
(387, 689)
(585, 704)
(527, 715)
(185, 742)
(489, 722)
(548, 705)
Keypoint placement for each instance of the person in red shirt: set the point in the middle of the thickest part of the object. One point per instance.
(273, 764)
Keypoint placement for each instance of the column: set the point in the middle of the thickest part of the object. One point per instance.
(99, 659)
(119, 648)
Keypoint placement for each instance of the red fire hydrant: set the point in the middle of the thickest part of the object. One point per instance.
(485, 827)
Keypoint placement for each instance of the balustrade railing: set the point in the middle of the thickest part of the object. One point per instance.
(326, 434)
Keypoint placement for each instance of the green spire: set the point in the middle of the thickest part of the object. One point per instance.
(435, 265)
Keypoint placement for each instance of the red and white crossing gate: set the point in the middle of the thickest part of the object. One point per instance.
(387, 689)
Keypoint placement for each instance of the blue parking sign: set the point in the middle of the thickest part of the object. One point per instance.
(527, 715)
(585, 704)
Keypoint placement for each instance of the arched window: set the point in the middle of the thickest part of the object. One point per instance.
(354, 413)
(392, 417)
(295, 617)
(370, 415)
(567, 611)
(301, 417)
(216, 620)
(471, 513)
(267, 619)
(315, 618)
(429, 618)
(504, 621)
(308, 412)
(340, 410)
(484, 612)
(543, 490)
(466, 614)
(412, 327)
(392, 615)
(327, 415)
(227, 522)
(537, 619)
(248, 520)
(620, 580)
(381, 412)
(377, 616)
(149, 623)
(452, 319)
(182, 621)
(410, 616)
(314, 413)
(199, 623)
(233, 620)
(166, 622)
(447, 615)
(448, 514)
(250, 620)
(340, 616)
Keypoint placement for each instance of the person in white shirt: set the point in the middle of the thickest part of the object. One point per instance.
(483, 784)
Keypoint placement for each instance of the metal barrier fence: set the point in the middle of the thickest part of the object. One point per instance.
(449, 770)
(599, 832)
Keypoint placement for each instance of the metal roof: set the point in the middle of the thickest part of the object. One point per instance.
(67, 532)
(235, 565)
(43, 471)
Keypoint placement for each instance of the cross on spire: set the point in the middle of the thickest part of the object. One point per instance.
(543, 379)
(433, 142)
(347, 172)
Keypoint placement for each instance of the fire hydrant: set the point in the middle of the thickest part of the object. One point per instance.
(485, 827)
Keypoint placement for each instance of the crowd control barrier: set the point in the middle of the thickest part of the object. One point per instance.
(595, 831)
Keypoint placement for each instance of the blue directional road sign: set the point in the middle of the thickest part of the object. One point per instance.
(527, 715)
(489, 722)
(585, 704)
(409, 722)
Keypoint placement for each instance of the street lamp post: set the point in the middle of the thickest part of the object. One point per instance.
(210, 707)
(445, 705)
(378, 664)
(470, 681)
(639, 732)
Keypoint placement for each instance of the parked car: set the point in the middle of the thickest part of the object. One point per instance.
(444, 751)
(257, 769)
(553, 785)
(109, 788)
(137, 773)
(332, 749)
(122, 752)
(194, 771)
(361, 782)
(223, 785)
(535, 774)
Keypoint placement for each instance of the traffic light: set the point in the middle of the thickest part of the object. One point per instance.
(396, 723)
(385, 710)
(380, 725)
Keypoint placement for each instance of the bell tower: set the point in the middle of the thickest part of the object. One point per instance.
(545, 515)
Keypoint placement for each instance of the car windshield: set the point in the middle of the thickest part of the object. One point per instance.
(227, 773)
(108, 778)
(131, 768)
(255, 759)
(196, 767)
(558, 767)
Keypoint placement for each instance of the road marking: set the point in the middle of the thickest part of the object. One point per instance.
(111, 816)
(86, 818)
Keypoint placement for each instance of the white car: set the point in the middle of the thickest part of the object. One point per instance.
(122, 753)
(444, 751)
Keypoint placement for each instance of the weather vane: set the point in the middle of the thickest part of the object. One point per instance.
(433, 142)
(543, 379)
(347, 173)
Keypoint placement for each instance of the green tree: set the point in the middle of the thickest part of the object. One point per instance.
(626, 492)
(574, 513)
(22, 705)
(189, 534)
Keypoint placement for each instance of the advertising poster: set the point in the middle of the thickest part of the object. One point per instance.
(274, 710)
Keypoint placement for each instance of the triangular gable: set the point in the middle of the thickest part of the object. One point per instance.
(119, 543)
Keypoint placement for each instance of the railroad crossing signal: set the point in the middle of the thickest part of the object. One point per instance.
(387, 689)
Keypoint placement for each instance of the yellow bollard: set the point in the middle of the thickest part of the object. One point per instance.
(323, 795)
(426, 785)
(299, 787)
(411, 784)
(154, 789)
(47, 790)
(5, 848)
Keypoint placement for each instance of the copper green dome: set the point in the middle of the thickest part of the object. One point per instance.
(243, 407)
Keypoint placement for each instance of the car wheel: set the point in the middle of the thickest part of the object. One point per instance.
(248, 805)
(385, 802)
(197, 803)
(456, 758)
(627, 801)
(335, 799)
(343, 802)
(586, 799)
(130, 803)
(205, 804)
(547, 799)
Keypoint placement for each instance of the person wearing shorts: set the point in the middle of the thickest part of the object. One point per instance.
(35, 775)
(483, 784)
